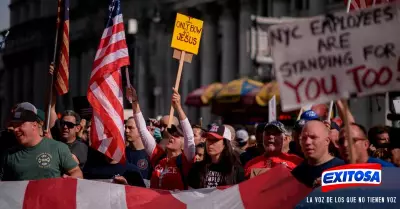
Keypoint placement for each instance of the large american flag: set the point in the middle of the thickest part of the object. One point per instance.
(275, 189)
(62, 75)
(105, 88)
(361, 4)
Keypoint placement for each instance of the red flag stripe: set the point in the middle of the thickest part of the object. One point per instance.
(47, 193)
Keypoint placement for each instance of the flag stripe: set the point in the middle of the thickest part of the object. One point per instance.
(110, 59)
(12, 194)
(101, 195)
(109, 31)
(45, 194)
(103, 92)
(117, 42)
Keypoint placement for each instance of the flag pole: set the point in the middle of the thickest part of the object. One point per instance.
(50, 87)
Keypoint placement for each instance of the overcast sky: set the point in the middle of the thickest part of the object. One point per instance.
(4, 14)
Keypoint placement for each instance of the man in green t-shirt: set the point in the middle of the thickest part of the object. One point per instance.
(35, 157)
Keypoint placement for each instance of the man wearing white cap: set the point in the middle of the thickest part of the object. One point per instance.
(242, 140)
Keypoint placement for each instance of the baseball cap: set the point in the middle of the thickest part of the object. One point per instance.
(299, 125)
(218, 132)
(309, 115)
(276, 124)
(26, 106)
(22, 115)
(242, 137)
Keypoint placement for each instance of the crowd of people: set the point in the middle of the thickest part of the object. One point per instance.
(184, 155)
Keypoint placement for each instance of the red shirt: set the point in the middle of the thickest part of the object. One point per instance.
(260, 162)
(166, 175)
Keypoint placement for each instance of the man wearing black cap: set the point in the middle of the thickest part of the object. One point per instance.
(36, 157)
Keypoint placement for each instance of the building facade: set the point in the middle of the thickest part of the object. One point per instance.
(224, 50)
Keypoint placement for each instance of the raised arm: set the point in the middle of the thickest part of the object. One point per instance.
(148, 140)
(343, 112)
(189, 146)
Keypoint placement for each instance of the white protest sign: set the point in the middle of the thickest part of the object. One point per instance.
(331, 57)
(272, 109)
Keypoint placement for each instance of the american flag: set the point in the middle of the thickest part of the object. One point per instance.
(361, 4)
(62, 75)
(105, 88)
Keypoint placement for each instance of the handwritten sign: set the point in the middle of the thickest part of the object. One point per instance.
(336, 56)
(187, 34)
(272, 109)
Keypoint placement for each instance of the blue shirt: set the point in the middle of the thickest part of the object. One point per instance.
(308, 174)
(379, 161)
(108, 171)
(141, 160)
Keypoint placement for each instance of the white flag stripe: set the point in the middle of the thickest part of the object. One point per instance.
(110, 58)
(114, 39)
(108, 31)
(116, 89)
(107, 106)
(219, 199)
(117, 155)
(91, 194)
(12, 194)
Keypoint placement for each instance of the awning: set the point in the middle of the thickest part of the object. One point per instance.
(202, 96)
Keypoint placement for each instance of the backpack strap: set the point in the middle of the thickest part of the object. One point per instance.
(179, 164)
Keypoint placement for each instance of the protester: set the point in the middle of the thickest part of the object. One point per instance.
(172, 166)
(70, 126)
(135, 152)
(360, 146)
(198, 134)
(100, 167)
(242, 140)
(257, 150)
(200, 152)
(314, 142)
(294, 145)
(379, 136)
(36, 157)
(163, 123)
(275, 134)
(220, 166)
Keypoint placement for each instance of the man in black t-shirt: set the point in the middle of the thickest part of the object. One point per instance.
(68, 127)
(314, 142)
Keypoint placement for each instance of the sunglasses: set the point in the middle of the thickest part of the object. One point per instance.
(67, 123)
